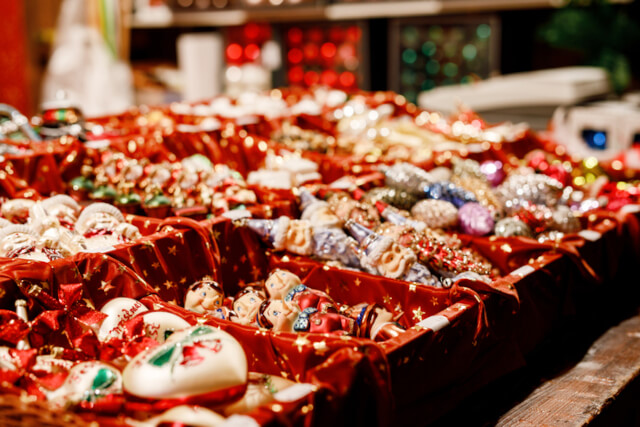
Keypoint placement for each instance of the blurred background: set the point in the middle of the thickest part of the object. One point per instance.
(108, 54)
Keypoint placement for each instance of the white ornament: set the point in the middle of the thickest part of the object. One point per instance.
(195, 361)
(118, 311)
(87, 381)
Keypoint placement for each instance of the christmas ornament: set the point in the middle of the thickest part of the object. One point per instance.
(299, 237)
(493, 171)
(200, 363)
(87, 382)
(392, 196)
(407, 177)
(512, 227)
(381, 255)
(475, 219)
(436, 213)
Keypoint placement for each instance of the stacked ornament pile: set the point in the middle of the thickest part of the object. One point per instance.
(59, 227)
(284, 304)
(154, 368)
(160, 189)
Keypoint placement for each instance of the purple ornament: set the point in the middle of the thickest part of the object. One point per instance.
(475, 219)
(494, 171)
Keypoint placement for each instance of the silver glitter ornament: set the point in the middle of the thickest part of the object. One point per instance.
(564, 220)
(467, 168)
(535, 188)
(407, 177)
(436, 213)
(512, 227)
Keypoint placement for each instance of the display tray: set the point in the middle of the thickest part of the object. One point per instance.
(63, 296)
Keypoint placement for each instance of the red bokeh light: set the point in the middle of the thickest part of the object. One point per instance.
(329, 77)
(346, 51)
(252, 51)
(347, 79)
(234, 52)
(311, 51)
(295, 35)
(252, 31)
(354, 33)
(315, 35)
(311, 78)
(328, 50)
(336, 34)
(295, 75)
(295, 56)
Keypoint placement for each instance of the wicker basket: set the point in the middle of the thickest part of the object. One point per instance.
(26, 411)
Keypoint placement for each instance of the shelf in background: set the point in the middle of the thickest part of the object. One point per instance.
(341, 11)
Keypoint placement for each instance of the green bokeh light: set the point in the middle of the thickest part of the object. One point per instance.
(450, 69)
(469, 52)
(428, 84)
(436, 32)
(433, 67)
(410, 36)
(483, 31)
(429, 48)
(408, 77)
(409, 56)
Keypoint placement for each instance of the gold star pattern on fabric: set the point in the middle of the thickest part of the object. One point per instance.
(387, 299)
(255, 272)
(180, 235)
(434, 301)
(155, 265)
(183, 280)
(223, 260)
(106, 286)
(300, 342)
(168, 284)
(320, 348)
(173, 250)
(357, 281)
(215, 234)
(506, 248)
(412, 287)
(417, 314)
(398, 307)
(147, 223)
(87, 276)
(145, 273)
(122, 268)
